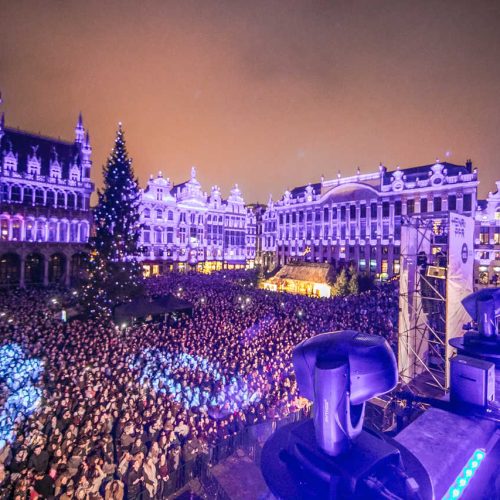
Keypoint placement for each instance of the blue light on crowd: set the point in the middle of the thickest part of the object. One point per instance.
(159, 369)
(461, 482)
(18, 376)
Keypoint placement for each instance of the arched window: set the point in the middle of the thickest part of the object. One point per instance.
(15, 194)
(170, 215)
(28, 195)
(4, 229)
(40, 230)
(146, 213)
(16, 230)
(79, 202)
(159, 214)
(51, 198)
(29, 230)
(63, 231)
(52, 231)
(84, 232)
(39, 197)
(71, 200)
(59, 201)
(73, 232)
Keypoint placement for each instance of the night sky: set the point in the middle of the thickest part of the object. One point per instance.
(269, 94)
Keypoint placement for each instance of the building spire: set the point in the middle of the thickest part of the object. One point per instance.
(79, 130)
(2, 126)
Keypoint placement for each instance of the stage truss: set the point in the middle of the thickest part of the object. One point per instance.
(422, 307)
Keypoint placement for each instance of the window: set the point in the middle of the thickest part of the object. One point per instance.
(484, 236)
(325, 214)
(159, 214)
(73, 231)
(63, 231)
(467, 202)
(146, 213)
(83, 232)
(29, 230)
(352, 211)
(452, 202)
(385, 209)
(159, 194)
(146, 236)
(410, 207)
(342, 212)
(4, 229)
(16, 229)
(423, 205)
(437, 204)
(363, 211)
(39, 198)
(496, 237)
(362, 232)
(373, 210)
(397, 207)
(158, 235)
(52, 231)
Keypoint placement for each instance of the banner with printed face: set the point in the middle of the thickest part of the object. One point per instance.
(460, 276)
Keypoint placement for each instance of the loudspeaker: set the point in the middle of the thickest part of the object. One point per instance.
(472, 381)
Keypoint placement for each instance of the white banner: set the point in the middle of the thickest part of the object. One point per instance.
(460, 280)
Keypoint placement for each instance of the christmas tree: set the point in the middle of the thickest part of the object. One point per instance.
(115, 275)
(341, 286)
(353, 280)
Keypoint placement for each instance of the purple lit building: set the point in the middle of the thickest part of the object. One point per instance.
(185, 228)
(358, 219)
(487, 244)
(45, 218)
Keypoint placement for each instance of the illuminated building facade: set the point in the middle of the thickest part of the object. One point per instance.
(487, 244)
(357, 219)
(45, 191)
(184, 228)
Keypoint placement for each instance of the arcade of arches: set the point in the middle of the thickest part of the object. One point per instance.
(41, 266)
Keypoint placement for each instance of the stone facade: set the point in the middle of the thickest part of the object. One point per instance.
(184, 228)
(45, 218)
(487, 244)
(358, 219)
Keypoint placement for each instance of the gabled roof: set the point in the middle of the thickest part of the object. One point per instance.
(22, 144)
(300, 190)
(314, 272)
(422, 171)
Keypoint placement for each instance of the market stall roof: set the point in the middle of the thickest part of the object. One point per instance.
(313, 272)
(142, 307)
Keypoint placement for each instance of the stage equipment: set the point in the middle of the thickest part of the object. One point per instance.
(482, 339)
(339, 372)
(472, 381)
(330, 455)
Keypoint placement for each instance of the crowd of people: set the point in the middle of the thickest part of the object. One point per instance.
(133, 412)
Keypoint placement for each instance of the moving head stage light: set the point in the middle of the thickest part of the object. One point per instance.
(482, 340)
(330, 455)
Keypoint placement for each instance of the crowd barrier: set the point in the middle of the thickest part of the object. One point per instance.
(249, 440)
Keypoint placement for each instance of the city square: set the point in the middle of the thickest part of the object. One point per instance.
(271, 285)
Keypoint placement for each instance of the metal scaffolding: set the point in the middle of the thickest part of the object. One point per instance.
(422, 305)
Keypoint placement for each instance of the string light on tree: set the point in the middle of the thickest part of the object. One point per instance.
(115, 275)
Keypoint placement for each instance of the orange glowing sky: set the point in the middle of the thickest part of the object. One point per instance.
(269, 94)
